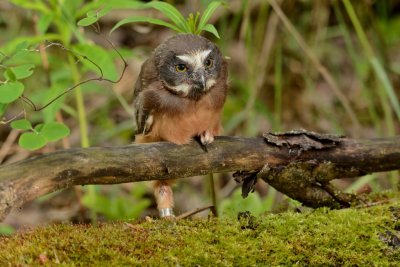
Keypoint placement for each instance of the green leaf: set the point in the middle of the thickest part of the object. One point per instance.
(70, 4)
(387, 85)
(104, 11)
(54, 131)
(172, 13)
(23, 71)
(101, 57)
(32, 141)
(10, 75)
(20, 57)
(6, 229)
(44, 22)
(192, 22)
(91, 14)
(145, 19)
(22, 45)
(3, 108)
(130, 4)
(115, 4)
(87, 21)
(212, 29)
(10, 91)
(207, 14)
(39, 127)
(55, 90)
(33, 5)
(21, 124)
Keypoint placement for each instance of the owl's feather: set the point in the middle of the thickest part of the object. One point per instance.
(164, 114)
(146, 77)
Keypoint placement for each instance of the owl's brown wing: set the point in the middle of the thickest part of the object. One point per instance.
(141, 109)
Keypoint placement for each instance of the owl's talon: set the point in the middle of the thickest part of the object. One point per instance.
(206, 138)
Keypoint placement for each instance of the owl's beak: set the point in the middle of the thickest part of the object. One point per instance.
(200, 81)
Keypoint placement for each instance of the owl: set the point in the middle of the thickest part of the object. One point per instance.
(178, 97)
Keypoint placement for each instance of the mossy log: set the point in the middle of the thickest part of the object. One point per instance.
(299, 164)
(348, 237)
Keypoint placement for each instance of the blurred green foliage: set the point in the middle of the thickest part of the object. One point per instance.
(6, 229)
(117, 206)
(230, 207)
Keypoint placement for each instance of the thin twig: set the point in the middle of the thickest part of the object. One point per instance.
(12, 136)
(190, 213)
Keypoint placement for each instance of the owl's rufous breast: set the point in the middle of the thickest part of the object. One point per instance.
(180, 128)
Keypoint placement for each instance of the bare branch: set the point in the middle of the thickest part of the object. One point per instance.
(303, 174)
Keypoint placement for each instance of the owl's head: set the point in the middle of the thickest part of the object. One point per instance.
(189, 65)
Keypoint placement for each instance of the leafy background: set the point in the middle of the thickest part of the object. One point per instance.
(327, 66)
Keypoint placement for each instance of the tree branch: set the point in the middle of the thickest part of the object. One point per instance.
(298, 167)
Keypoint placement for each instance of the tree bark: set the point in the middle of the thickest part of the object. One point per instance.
(298, 167)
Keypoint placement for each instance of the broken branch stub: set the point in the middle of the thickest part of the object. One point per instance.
(307, 181)
(303, 140)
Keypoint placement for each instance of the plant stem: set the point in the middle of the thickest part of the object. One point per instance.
(278, 90)
(80, 106)
(83, 126)
(213, 192)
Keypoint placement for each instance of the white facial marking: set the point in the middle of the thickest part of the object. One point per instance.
(211, 83)
(181, 88)
(196, 58)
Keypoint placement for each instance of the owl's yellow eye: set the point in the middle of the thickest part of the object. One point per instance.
(181, 68)
(209, 63)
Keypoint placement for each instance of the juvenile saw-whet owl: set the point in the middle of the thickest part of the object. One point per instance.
(178, 96)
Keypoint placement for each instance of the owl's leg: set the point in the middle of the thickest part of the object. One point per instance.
(164, 198)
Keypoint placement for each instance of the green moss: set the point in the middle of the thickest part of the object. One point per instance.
(320, 237)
